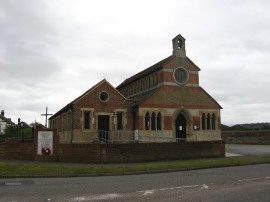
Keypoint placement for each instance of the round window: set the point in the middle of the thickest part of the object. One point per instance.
(104, 96)
(180, 75)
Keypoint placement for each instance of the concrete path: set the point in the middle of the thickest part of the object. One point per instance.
(247, 150)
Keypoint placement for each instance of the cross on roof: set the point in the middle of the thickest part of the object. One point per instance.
(46, 114)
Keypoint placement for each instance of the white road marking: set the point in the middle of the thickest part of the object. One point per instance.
(253, 179)
(12, 183)
(204, 186)
(183, 187)
(107, 196)
(147, 192)
(78, 199)
(152, 191)
(97, 197)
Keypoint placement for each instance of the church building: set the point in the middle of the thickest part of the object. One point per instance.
(164, 102)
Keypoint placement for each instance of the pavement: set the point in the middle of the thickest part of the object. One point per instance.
(247, 150)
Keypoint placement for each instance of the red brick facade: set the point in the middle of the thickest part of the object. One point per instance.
(92, 100)
(165, 100)
(77, 128)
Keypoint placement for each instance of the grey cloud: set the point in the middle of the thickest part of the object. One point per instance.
(53, 51)
(26, 41)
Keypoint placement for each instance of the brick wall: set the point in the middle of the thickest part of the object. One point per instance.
(17, 150)
(115, 153)
(79, 153)
(161, 151)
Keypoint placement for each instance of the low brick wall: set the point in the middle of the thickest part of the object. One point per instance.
(246, 137)
(17, 150)
(115, 153)
(145, 152)
(79, 153)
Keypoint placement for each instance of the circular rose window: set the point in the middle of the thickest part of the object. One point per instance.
(104, 96)
(180, 75)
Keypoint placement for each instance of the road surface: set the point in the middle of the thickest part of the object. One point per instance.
(243, 183)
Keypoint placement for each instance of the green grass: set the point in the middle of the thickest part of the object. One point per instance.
(37, 169)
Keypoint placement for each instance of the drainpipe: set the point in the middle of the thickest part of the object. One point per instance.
(134, 110)
(71, 138)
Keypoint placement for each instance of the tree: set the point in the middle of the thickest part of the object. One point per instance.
(12, 131)
(37, 125)
(17, 131)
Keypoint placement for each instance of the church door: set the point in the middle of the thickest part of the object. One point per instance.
(103, 127)
(180, 126)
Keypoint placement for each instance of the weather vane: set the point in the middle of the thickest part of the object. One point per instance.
(46, 114)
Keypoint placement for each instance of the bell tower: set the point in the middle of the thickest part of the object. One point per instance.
(179, 46)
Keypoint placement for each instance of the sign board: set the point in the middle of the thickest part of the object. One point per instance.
(196, 127)
(45, 143)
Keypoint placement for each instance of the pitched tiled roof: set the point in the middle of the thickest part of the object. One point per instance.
(140, 98)
(143, 96)
(7, 120)
(70, 105)
(152, 69)
(145, 72)
(25, 125)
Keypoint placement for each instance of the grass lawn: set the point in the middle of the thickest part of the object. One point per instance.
(36, 169)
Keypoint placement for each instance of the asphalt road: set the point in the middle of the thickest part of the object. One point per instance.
(243, 183)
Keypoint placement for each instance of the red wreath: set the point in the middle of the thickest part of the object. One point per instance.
(46, 151)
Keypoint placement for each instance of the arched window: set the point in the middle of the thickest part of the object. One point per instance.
(147, 121)
(133, 88)
(159, 125)
(144, 84)
(153, 121)
(137, 84)
(151, 81)
(213, 121)
(148, 83)
(155, 80)
(203, 121)
(208, 121)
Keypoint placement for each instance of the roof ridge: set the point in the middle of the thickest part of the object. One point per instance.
(145, 95)
(73, 101)
(8, 120)
(145, 72)
(69, 105)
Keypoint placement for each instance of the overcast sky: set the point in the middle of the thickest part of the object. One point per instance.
(53, 51)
